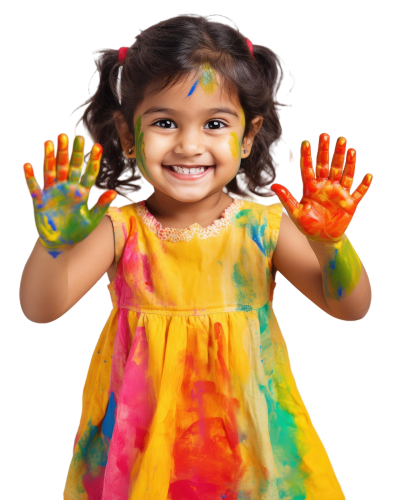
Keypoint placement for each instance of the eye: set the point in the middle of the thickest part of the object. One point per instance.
(216, 122)
(213, 122)
(164, 121)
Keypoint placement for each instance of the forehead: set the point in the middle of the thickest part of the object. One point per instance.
(192, 92)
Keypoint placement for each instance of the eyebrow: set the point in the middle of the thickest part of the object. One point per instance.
(212, 111)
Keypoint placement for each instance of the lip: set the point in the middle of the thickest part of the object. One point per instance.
(188, 177)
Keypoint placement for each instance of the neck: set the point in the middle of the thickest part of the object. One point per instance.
(183, 214)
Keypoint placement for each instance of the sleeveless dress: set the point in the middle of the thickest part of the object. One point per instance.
(190, 394)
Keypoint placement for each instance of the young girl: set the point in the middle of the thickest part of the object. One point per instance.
(189, 393)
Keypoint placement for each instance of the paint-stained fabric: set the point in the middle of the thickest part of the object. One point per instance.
(189, 394)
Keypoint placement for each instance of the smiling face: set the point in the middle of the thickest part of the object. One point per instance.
(194, 123)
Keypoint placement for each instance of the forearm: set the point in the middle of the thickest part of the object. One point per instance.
(345, 282)
(44, 285)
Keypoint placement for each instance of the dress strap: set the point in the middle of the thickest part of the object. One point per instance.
(120, 233)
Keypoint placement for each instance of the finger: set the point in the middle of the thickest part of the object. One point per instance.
(93, 166)
(287, 199)
(338, 160)
(349, 169)
(33, 186)
(359, 193)
(62, 158)
(307, 171)
(97, 212)
(49, 167)
(322, 168)
(75, 165)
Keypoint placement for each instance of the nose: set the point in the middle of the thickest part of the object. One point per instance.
(189, 142)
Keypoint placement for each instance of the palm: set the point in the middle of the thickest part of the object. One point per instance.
(64, 215)
(327, 207)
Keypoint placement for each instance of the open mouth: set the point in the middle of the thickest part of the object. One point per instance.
(188, 176)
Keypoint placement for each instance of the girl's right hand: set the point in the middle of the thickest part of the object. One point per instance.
(61, 213)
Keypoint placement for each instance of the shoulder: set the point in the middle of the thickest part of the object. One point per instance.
(123, 221)
(269, 214)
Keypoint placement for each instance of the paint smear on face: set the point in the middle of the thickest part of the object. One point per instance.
(140, 151)
(242, 119)
(234, 144)
(207, 78)
(193, 88)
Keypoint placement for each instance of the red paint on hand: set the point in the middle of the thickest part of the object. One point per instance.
(327, 207)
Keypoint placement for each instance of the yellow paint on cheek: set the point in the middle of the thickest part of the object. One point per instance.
(207, 79)
(234, 144)
(242, 118)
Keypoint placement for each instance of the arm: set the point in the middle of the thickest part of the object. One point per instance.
(301, 262)
(313, 251)
(77, 269)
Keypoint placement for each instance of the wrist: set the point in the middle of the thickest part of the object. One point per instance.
(340, 267)
(327, 247)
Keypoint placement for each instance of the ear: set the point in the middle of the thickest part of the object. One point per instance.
(127, 140)
(247, 144)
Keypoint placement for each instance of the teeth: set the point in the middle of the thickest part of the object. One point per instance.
(186, 170)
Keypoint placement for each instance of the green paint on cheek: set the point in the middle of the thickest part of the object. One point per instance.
(234, 145)
(207, 79)
(140, 151)
(343, 272)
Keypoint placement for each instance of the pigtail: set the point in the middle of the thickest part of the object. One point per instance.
(98, 119)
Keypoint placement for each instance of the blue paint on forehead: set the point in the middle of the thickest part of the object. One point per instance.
(193, 88)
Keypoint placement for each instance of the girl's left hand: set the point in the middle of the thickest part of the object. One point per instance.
(327, 207)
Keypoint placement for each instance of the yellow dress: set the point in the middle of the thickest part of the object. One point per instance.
(189, 394)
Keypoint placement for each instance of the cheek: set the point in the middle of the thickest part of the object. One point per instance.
(242, 119)
(234, 145)
(140, 150)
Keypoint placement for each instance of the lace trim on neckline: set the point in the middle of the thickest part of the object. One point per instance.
(173, 234)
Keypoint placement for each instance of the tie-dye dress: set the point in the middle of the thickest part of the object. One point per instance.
(190, 394)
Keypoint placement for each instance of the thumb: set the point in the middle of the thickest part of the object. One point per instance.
(101, 207)
(280, 191)
(287, 199)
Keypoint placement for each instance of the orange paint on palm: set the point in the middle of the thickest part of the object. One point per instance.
(327, 207)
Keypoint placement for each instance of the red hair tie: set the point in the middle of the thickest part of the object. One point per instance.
(122, 53)
(250, 45)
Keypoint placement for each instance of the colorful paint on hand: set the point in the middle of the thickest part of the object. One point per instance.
(140, 151)
(327, 207)
(61, 213)
(341, 271)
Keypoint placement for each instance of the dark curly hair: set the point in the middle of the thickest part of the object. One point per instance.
(160, 56)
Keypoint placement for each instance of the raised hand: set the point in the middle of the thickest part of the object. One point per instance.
(61, 213)
(327, 207)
